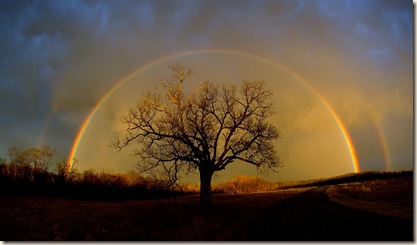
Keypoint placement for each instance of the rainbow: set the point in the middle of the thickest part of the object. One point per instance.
(44, 133)
(383, 142)
(109, 93)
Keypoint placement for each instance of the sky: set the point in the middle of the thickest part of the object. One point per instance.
(330, 63)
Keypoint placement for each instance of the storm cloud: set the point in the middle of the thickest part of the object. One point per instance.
(58, 58)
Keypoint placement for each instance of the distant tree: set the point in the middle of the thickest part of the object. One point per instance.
(205, 130)
(41, 159)
(20, 159)
(90, 177)
(67, 172)
(133, 178)
(3, 167)
(31, 162)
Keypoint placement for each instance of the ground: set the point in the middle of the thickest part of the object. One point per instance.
(327, 213)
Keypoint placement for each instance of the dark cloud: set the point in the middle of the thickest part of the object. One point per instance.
(59, 57)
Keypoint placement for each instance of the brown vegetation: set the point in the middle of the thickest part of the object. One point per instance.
(38, 204)
(101, 205)
(393, 196)
(245, 184)
(30, 172)
(293, 214)
(39, 218)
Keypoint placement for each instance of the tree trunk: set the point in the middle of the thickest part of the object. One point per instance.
(205, 186)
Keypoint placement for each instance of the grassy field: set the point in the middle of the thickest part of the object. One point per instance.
(230, 217)
(34, 218)
(392, 197)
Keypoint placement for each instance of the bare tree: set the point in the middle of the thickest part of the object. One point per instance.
(205, 130)
(67, 172)
(32, 162)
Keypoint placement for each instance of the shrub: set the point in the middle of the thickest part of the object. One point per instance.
(245, 184)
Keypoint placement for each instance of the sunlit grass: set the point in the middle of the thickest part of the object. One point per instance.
(393, 197)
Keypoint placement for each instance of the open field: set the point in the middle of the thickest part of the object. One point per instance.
(31, 218)
(392, 197)
(324, 213)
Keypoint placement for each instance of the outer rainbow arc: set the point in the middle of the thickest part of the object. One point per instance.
(339, 122)
(383, 142)
(44, 132)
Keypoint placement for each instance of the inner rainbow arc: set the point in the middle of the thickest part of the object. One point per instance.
(345, 132)
(93, 111)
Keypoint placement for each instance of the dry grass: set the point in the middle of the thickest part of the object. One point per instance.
(245, 184)
(392, 197)
(36, 218)
(182, 218)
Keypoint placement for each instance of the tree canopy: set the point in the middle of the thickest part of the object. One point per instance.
(205, 130)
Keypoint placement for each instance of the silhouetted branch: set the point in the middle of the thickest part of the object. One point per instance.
(207, 129)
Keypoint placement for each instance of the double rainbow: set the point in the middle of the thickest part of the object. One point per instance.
(115, 87)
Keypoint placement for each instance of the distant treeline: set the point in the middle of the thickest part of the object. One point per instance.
(33, 172)
(343, 179)
(89, 184)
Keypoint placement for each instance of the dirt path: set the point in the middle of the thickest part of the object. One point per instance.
(310, 216)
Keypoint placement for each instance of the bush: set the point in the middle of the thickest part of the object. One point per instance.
(245, 184)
